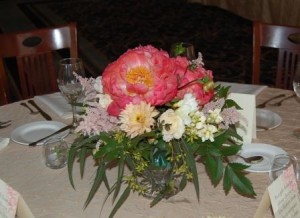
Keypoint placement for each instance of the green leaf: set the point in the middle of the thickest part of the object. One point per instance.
(106, 181)
(183, 182)
(227, 180)
(231, 103)
(120, 177)
(114, 154)
(130, 163)
(120, 202)
(222, 91)
(157, 199)
(214, 166)
(71, 158)
(83, 141)
(238, 166)
(97, 182)
(178, 50)
(230, 150)
(113, 149)
(241, 184)
(192, 165)
(82, 157)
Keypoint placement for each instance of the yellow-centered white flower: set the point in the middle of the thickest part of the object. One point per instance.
(173, 125)
(137, 119)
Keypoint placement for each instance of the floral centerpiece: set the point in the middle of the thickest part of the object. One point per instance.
(154, 116)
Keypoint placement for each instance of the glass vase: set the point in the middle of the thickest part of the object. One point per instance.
(159, 182)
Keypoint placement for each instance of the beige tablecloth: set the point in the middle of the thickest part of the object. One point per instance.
(270, 11)
(49, 194)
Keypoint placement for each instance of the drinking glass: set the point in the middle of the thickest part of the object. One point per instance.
(69, 84)
(280, 163)
(184, 49)
(296, 87)
(55, 151)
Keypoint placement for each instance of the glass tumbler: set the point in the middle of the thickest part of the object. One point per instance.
(280, 163)
(55, 151)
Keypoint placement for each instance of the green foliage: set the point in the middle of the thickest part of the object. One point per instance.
(149, 150)
(178, 50)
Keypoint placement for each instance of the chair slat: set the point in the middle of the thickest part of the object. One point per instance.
(279, 37)
(34, 52)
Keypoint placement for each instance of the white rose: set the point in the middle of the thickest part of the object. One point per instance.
(173, 126)
(185, 106)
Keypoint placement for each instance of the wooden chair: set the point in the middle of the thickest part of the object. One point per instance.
(284, 38)
(35, 57)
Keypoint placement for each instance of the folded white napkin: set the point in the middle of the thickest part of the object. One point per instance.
(244, 88)
(57, 103)
(3, 142)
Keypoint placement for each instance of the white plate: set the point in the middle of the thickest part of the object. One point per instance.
(32, 132)
(267, 119)
(258, 149)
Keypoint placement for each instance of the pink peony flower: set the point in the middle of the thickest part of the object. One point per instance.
(141, 74)
(190, 81)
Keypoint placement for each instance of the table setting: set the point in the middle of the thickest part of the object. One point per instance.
(94, 164)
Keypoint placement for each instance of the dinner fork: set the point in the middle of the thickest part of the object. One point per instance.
(31, 111)
(5, 124)
(279, 103)
(262, 105)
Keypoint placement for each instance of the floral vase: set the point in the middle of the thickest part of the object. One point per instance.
(158, 179)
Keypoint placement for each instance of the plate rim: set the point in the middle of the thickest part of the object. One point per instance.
(264, 145)
(45, 122)
(272, 112)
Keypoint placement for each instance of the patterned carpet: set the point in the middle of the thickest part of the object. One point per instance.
(113, 26)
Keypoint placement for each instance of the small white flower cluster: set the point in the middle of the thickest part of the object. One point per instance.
(204, 127)
(187, 116)
(199, 60)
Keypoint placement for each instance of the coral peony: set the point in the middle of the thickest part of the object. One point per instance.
(141, 74)
(196, 81)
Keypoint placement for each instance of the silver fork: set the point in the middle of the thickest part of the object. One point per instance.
(262, 105)
(279, 103)
(31, 111)
(5, 124)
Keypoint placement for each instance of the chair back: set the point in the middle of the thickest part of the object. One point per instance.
(284, 38)
(34, 53)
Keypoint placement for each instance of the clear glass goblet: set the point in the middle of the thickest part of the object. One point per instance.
(69, 84)
(296, 87)
(184, 49)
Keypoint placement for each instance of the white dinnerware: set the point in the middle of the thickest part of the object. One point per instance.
(266, 119)
(34, 131)
(268, 152)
